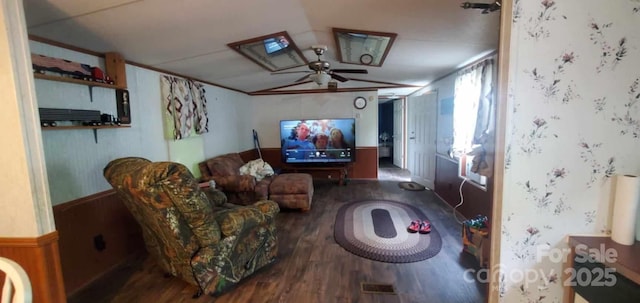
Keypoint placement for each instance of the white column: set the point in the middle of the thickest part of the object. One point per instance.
(25, 206)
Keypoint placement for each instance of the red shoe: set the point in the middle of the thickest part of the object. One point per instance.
(414, 226)
(425, 227)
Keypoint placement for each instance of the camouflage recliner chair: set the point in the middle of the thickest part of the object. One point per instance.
(189, 235)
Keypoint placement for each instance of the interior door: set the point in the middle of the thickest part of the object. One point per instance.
(398, 133)
(421, 131)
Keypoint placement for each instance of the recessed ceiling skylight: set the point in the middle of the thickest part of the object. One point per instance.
(363, 47)
(273, 52)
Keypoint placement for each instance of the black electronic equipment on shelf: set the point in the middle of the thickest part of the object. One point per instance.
(63, 114)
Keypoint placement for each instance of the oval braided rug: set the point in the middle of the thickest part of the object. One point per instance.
(411, 186)
(377, 230)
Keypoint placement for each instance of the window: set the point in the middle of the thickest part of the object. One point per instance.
(473, 106)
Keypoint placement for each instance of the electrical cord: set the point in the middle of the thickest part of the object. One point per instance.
(461, 201)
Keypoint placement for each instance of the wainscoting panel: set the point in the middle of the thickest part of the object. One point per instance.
(447, 186)
(40, 259)
(97, 234)
(476, 200)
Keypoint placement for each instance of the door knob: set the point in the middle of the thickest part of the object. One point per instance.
(411, 138)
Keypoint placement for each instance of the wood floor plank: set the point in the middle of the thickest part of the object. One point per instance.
(311, 267)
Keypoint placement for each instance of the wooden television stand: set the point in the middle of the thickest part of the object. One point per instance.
(341, 168)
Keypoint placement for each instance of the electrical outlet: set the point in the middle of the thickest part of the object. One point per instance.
(98, 243)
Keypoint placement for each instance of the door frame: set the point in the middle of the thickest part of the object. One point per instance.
(403, 138)
(504, 44)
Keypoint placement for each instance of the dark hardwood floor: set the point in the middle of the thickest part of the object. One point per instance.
(312, 268)
(389, 172)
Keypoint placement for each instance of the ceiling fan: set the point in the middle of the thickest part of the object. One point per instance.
(485, 7)
(320, 70)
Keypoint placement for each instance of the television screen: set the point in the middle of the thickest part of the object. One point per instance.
(276, 44)
(318, 140)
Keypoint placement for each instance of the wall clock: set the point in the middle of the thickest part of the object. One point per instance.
(360, 102)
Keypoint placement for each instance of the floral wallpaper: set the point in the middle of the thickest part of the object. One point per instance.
(573, 124)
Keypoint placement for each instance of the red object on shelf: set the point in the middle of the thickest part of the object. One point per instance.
(97, 74)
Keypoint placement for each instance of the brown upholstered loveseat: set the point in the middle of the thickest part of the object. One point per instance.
(240, 189)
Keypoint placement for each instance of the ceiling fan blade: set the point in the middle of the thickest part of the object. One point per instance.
(296, 72)
(303, 78)
(338, 77)
(350, 71)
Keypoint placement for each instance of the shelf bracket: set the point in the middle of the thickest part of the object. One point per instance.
(91, 93)
(95, 135)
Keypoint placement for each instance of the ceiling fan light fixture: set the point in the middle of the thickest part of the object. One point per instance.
(320, 78)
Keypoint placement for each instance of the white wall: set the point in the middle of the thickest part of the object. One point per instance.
(564, 137)
(75, 162)
(24, 202)
(229, 122)
(267, 111)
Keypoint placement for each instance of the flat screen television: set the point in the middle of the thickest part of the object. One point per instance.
(318, 141)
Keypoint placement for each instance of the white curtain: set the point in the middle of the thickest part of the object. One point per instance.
(473, 107)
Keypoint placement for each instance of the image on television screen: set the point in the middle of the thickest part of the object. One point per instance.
(318, 140)
(275, 45)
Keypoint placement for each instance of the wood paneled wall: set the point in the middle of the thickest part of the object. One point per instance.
(447, 186)
(365, 167)
(41, 260)
(476, 200)
(87, 224)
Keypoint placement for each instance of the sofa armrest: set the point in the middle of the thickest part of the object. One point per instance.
(262, 188)
(236, 183)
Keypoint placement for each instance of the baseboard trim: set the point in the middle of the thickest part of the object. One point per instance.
(40, 258)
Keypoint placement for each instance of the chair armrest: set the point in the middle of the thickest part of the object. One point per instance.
(233, 221)
(236, 183)
(267, 207)
(216, 197)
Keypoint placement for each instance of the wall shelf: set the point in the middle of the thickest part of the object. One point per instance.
(76, 81)
(90, 84)
(94, 128)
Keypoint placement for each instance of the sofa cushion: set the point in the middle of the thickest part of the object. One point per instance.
(235, 183)
(224, 165)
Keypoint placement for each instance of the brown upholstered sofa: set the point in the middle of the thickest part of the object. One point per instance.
(187, 231)
(240, 189)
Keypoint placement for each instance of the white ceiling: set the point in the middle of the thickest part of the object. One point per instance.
(190, 37)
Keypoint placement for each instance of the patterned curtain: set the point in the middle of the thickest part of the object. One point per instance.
(200, 119)
(185, 106)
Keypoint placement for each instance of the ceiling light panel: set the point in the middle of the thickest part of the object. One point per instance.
(363, 47)
(273, 52)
